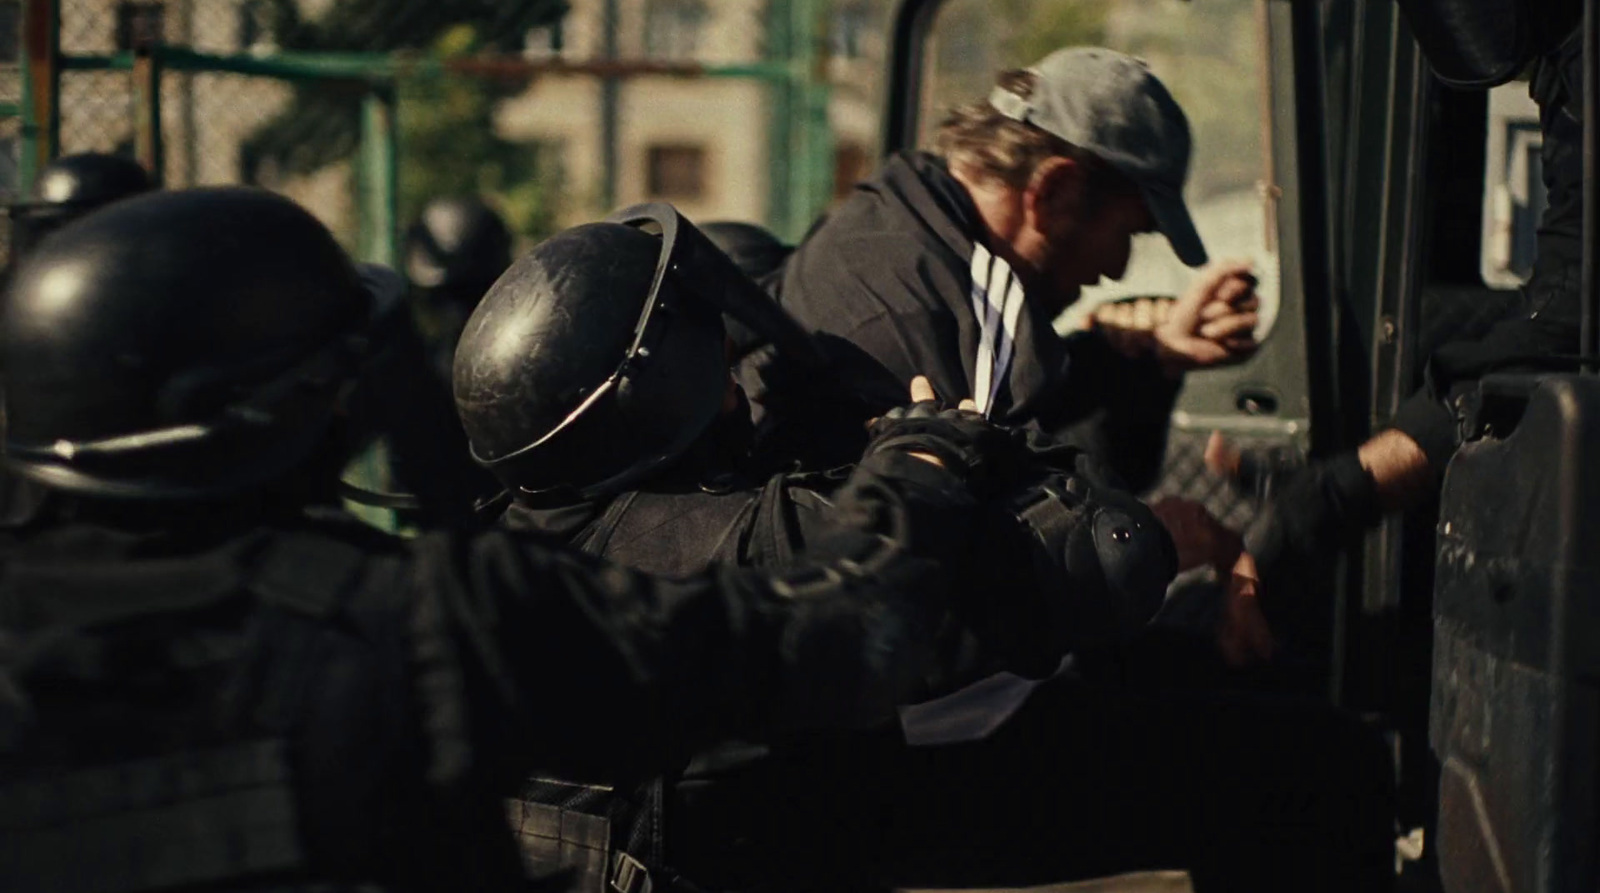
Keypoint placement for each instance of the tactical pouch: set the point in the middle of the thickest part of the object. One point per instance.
(1516, 664)
(222, 815)
(593, 838)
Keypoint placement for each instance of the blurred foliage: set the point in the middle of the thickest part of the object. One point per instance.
(1042, 28)
(449, 147)
(375, 26)
(322, 124)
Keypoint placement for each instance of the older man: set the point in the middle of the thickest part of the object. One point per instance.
(956, 264)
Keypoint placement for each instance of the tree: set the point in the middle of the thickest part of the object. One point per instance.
(448, 144)
(449, 147)
(1043, 28)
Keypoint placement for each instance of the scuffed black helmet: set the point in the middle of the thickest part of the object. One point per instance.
(579, 372)
(163, 348)
(754, 250)
(602, 355)
(458, 246)
(70, 187)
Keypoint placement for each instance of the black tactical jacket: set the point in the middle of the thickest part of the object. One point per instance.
(886, 283)
(729, 818)
(255, 706)
(684, 529)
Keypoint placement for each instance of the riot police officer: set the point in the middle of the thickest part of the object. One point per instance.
(70, 187)
(208, 679)
(593, 381)
(1471, 44)
(66, 189)
(455, 250)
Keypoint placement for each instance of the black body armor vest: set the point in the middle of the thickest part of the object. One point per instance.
(148, 728)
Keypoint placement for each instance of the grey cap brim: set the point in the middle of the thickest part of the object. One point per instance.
(1173, 220)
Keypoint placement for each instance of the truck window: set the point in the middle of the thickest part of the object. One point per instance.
(1513, 187)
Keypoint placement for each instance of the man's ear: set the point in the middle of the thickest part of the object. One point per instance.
(1054, 193)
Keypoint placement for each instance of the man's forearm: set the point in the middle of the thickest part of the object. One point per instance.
(1399, 468)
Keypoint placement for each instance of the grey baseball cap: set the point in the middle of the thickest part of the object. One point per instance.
(1112, 105)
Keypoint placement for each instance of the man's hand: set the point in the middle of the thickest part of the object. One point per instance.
(1201, 539)
(1130, 324)
(922, 392)
(1243, 636)
(1212, 324)
(957, 439)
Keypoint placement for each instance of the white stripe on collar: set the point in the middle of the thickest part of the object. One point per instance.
(997, 297)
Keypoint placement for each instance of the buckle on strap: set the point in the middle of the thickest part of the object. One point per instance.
(629, 875)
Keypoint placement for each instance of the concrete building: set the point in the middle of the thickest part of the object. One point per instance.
(703, 143)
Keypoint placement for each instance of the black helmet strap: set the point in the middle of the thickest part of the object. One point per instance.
(283, 397)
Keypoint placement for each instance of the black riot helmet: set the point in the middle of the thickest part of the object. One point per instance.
(457, 248)
(70, 187)
(600, 356)
(753, 249)
(163, 348)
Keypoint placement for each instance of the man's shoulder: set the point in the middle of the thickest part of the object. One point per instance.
(852, 272)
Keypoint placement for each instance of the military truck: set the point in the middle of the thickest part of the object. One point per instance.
(1387, 214)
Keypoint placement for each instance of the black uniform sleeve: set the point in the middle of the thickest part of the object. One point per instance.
(572, 664)
(1539, 335)
(1113, 407)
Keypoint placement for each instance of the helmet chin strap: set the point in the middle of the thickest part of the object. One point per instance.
(378, 499)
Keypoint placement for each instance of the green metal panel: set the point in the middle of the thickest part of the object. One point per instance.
(801, 136)
(386, 67)
(378, 171)
(813, 176)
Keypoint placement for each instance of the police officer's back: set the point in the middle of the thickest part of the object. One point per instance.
(206, 681)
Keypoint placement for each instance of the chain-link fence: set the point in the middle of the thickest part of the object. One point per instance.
(11, 97)
(555, 110)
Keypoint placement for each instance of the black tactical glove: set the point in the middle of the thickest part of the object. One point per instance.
(968, 444)
(1315, 509)
(1262, 472)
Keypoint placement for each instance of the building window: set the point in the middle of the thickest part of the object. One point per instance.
(672, 29)
(256, 33)
(140, 26)
(851, 27)
(543, 43)
(10, 32)
(677, 172)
